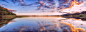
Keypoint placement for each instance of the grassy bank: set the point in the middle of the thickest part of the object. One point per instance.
(19, 16)
(7, 16)
(11, 16)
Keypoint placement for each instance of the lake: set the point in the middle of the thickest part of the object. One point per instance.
(42, 24)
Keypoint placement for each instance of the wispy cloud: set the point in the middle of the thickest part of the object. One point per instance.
(11, 10)
(41, 5)
(5, 1)
(3, 5)
(49, 4)
(62, 4)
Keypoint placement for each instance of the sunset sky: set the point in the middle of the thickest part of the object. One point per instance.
(44, 7)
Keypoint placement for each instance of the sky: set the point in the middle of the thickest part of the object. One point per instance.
(44, 7)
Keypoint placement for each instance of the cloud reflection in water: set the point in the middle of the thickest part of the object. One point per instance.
(46, 25)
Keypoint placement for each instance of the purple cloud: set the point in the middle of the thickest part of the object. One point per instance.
(49, 4)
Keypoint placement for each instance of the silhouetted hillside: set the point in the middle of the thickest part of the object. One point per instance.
(81, 15)
(5, 11)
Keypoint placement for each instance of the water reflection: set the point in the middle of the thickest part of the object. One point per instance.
(4, 21)
(45, 24)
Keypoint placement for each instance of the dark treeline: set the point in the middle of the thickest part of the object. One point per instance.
(81, 15)
(4, 21)
(5, 11)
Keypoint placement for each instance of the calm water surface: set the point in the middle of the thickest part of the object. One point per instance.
(43, 24)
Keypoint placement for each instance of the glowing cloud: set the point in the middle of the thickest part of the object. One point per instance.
(10, 10)
(50, 4)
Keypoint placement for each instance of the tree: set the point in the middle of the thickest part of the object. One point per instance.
(5, 11)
